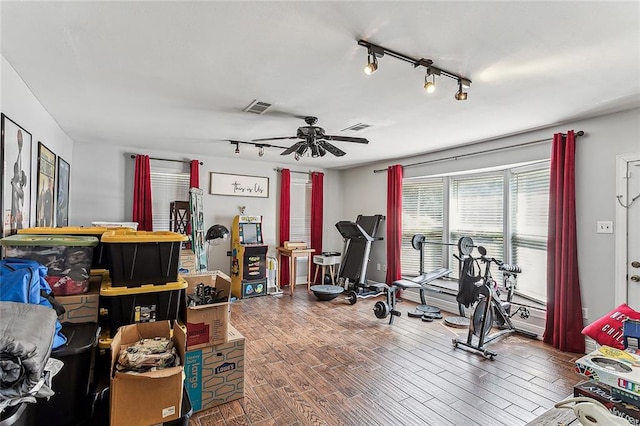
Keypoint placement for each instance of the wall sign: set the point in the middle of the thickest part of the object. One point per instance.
(238, 185)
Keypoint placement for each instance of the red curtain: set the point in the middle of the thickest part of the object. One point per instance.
(285, 218)
(394, 222)
(194, 177)
(317, 209)
(142, 194)
(564, 308)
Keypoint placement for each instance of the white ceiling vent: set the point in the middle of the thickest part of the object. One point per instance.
(257, 107)
(356, 127)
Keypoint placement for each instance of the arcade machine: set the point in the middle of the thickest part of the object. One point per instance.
(248, 257)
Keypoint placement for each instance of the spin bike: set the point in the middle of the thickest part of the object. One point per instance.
(490, 309)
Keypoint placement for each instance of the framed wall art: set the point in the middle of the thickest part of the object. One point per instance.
(46, 186)
(238, 185)
(62, 194)
(15, 160)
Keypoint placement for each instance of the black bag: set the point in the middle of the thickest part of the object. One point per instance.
(468, 291)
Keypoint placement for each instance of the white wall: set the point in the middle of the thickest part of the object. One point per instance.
(19, 104)
(103, 188)
(605, 137)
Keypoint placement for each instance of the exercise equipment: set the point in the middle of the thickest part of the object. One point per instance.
(421, 283)
(464, 244)
(326, 292)
(358, 237)
(248, 256)
(489, 304)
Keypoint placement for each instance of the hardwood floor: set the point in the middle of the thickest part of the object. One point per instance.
(309, 362)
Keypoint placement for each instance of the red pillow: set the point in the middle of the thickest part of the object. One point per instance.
(608, 329)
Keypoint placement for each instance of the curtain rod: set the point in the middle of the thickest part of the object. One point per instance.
(167, 159)
(455, 157)
(279, 169)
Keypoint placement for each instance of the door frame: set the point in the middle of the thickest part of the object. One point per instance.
(620, 273)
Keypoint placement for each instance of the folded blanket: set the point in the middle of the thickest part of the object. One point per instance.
(26, 336)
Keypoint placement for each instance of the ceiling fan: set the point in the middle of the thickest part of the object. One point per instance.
(314, 140)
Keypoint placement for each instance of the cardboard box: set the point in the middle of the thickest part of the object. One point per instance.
(215, 374)
(82, 307)
(146, 398)
(187, 262)
(602, 393)
(612, 367)
(207, 324)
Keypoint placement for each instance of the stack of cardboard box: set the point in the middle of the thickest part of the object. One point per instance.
(214, 360)
(614, 381)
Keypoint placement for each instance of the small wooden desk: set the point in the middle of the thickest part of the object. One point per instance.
(293, 254)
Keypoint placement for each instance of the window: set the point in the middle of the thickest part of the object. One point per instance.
(167, 185)
(300, 225)
(503, 210)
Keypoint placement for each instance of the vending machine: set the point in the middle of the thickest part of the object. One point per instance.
(248, 257)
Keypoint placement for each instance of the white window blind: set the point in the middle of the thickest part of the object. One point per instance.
(422, 213)
(529, 189)
(476, 210)
(167, 185)
(300, 224)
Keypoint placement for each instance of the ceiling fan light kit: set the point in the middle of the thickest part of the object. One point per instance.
(374, 51)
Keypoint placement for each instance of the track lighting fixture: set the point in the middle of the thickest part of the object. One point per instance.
(260, 146)
(374, 51)
(460, 95)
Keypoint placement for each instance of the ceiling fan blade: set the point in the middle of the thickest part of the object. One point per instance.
(345, 139)
(293, 148)
(274, 139)
(332, 149)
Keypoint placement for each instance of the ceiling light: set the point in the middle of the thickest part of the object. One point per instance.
(460, 95)
(429, 86)
(260, 150)
(374, 51)
(237, 151)
(371, 66)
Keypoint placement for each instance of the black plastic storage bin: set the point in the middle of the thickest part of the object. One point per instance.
(101, 410)
(19, 415)
(131, 305)
(142, 257)
(71, 404)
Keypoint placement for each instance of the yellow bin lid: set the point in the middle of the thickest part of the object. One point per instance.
(24, 240)
(129, 236)
(106, 289)
(66, 230)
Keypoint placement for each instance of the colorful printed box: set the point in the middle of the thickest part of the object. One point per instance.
(602, 393)
(215, 374)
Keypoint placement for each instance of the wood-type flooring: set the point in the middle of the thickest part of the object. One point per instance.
(310, 362)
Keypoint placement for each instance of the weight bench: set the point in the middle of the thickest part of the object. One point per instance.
(421, 283)
(383, 309)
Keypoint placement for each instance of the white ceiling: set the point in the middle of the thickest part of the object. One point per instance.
(175, 76)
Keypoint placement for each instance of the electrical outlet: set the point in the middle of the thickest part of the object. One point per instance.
(585, 313)
(378, 266)
(604, 227)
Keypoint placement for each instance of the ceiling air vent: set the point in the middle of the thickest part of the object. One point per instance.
(257, 107)
(356, 127)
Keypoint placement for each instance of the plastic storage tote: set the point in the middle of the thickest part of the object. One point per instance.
(142, 257)
(67, 258)
(130, 305)
(71, 404)
(99, 260)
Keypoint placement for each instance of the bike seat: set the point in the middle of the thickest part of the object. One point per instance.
(514, 269)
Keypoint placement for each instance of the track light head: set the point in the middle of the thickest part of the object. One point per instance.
(429, 86)
(237, 151)
(372, 64)
(296, 156)
(260, 150)
(460, 95)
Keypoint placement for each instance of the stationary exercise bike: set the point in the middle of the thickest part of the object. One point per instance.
(490, 309)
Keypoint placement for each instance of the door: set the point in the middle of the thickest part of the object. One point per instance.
(628, 232)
